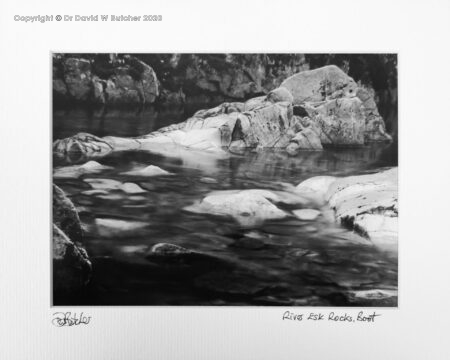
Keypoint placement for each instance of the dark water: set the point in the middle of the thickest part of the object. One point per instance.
(291, 262)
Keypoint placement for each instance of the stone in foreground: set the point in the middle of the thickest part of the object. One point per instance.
(365, 203)
(71, 265)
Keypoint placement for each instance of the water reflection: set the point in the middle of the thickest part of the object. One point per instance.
(295, 262)
(282, 262)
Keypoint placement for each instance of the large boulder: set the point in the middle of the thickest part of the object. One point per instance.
(135, 83)
(365, 203)
(320, 84)
(346, 112)
(340, 121)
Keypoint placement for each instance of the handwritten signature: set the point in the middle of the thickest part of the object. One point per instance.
(67, 319)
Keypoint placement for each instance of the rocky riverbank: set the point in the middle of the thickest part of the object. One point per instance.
(71, 264)
(309, 110)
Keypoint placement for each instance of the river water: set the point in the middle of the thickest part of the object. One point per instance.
(283, 262)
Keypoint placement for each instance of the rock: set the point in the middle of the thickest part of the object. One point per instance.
(317, 186)
(224, 108)
(365, 203)
(71, 266)
(336, 116)
(78, 79)
(375, 127)
(374, 294)
(208, 180)
(381, 229)
(132, 188)
(168, 250)
(345, 112)
(131, 82)
(264, 126)
(248, 207)
(225, 76)
(280, 94)
(104, 184)
(306, 214)
(109, 227)
(94, 192)
(374, 297)
(75, 171)
(175, 254)
(82, 143)
(257, 102)
(306, 139)
(320, 84)
(339, 121)
(65, 215)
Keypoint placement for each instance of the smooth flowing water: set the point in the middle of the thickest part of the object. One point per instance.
(283, 262)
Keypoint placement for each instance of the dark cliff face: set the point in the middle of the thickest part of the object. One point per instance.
(223, 76)
(206, 80)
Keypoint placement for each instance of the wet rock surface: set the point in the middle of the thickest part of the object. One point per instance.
(366, 203)
(65, 215)
(71, 265)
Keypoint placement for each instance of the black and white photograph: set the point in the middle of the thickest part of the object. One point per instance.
(250, 179)
(238, 180)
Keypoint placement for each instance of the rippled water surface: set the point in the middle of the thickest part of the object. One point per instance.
(284, 262)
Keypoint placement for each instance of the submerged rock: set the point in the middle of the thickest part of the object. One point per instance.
(132, 188)
(147, 171)
(170, 254)
(306, 214)
(208, 180)
(315, 187)
(75, 171)
(109, 227)
(248, 207)
(102, 186)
